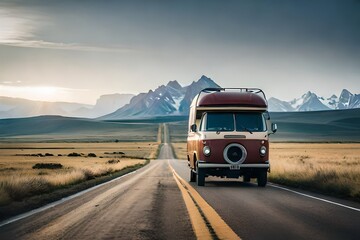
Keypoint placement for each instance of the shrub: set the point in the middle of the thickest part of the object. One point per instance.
(88, 174)
(74, 154)
(91, 155)
(121, 153)
(47, 166)
(49, 154)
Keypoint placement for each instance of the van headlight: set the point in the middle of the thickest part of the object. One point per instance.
(262, 151)
(206, 151)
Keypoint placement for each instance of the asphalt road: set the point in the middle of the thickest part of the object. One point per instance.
(148, 204)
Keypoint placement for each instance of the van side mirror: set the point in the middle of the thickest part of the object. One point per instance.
(193, 128)
(274, 127)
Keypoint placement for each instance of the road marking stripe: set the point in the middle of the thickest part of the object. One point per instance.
(222, 230)
(198, 223)
(320, 199)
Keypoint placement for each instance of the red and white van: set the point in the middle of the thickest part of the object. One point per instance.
(229, 135)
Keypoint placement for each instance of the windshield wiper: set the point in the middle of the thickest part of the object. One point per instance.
(243, 127)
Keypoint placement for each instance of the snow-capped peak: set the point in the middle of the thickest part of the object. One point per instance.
(311, 102)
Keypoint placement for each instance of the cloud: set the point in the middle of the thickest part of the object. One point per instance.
(18, 28)
(61, 46)
(14, 27)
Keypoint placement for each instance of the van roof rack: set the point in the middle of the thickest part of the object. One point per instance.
(249, 90)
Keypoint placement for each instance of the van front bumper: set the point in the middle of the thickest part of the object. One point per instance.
(227, 165)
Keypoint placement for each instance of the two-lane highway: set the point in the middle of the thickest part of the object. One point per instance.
(155, 201)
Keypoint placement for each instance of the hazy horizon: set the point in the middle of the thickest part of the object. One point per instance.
(48, 91)
(75, 51)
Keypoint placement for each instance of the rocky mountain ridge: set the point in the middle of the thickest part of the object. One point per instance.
(311, 102)
(170, 99)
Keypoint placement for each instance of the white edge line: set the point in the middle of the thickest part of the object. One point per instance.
(320, 199)
(54, 204)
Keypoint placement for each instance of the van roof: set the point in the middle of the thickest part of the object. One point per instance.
(235, 99)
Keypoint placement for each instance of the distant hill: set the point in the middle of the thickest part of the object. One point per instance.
(333, 125)
(58, 128)
(19, 108)
(316, 126)
(109, 103)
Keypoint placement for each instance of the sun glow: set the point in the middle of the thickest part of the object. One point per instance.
(38, 93)
(50, 93)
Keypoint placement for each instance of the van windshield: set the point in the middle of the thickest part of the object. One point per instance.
(247, 121)
(219, 122)
(241, 121)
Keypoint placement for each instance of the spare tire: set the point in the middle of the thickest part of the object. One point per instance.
(235, 153)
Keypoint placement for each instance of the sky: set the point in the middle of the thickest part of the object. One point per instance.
(77, 50)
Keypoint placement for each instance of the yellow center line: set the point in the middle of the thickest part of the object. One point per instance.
(198, 223)
(193, 201)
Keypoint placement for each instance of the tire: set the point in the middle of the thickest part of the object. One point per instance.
(200, 177)
(246, 179)
(262, 178)
(192, 176)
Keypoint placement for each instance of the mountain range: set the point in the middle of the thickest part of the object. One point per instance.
(311, 102)
(172, 99)
(167, 100)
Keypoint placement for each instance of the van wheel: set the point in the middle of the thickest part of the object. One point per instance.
(200, 177)
(262, 178)
(192, 176)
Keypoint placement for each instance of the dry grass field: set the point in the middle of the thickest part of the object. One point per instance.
(328, 168)
(18, 179)
(179, 150)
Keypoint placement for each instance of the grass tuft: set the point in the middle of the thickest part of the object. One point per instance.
(113, 161)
